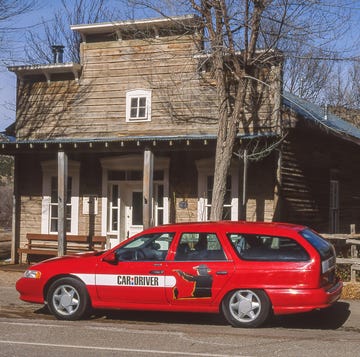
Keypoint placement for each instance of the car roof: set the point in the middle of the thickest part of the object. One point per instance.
(229, 226)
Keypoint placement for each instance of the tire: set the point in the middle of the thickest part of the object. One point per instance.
(68, 299)
(246, 308)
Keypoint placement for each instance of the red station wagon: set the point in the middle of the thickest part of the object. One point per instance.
(244, 270)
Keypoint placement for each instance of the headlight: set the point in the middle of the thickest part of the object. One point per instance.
(32, 274)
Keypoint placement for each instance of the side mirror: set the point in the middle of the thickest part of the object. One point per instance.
(110, 258)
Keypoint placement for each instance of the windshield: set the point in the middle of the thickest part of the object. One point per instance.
(320, 244)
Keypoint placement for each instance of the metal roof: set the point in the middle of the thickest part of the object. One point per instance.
(135, 138)
(318, 115)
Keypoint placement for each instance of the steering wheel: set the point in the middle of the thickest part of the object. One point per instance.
(139, 254)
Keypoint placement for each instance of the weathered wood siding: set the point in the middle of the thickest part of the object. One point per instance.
(309, 159)
(95, 107)
(183, 100)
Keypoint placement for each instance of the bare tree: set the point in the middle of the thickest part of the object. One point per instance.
(10, 11)
(239, 38)
(57, 31)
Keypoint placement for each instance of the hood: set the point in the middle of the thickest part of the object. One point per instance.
(77, 259)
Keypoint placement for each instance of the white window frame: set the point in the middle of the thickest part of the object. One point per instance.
(205, 168)
(136, 94)
(49, 169)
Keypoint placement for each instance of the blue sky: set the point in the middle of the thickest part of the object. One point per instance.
(46, 10)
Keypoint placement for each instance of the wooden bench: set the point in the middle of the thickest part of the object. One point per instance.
(47, 244)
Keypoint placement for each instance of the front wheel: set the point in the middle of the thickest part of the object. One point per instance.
(246, 308)
(68, 299)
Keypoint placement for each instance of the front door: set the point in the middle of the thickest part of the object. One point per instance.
(133, 201)
(125, 210)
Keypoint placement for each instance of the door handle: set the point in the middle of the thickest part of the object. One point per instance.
(221, 272)
(156, 272)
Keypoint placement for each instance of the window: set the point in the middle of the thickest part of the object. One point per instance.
(114, 208)
(54, 205)
(49, 216)
(334, 206)
(159, 204)
(267, 248)
(205, 169)
(199, 246)
(324, 248)
(227, 199)
(138, 105)
(146, 248)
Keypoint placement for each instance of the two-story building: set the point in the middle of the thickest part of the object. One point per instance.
(133, 127)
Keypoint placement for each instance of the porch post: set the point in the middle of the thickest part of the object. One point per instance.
(62, 193)
(148, 219)
(244, 188)
(15, 240)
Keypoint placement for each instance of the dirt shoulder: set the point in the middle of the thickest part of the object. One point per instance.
(9, 278)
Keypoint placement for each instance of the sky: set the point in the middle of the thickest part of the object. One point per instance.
(46, 9)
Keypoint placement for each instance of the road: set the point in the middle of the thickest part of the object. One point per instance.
(29, 330)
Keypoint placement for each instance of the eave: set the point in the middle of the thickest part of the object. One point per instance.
(47, 70)
(165, 22)
(116, 144)
(119, 27)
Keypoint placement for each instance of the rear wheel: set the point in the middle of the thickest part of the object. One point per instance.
(68, 299)
(246, 308)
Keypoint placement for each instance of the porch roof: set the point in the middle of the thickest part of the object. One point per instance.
(12, 146)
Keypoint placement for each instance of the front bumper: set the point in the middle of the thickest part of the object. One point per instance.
(31, 290)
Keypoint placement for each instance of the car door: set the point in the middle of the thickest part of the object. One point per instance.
(138, 274)
(201, 269)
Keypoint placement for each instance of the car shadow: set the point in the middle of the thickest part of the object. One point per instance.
(160, 317)
(330, 318)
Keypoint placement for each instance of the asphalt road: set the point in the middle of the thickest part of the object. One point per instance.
(29, 330)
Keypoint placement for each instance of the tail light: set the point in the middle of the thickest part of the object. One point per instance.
(328, 274)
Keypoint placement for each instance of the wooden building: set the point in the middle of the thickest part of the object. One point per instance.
(126, 139)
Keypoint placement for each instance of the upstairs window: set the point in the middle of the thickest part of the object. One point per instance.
(138, 105)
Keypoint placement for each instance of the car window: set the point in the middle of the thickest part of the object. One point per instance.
(320, 244)
(267, 248)
(199, 246)
(146, 248)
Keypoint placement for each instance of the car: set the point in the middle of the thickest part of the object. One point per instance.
(246, 271)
